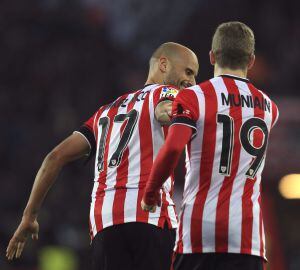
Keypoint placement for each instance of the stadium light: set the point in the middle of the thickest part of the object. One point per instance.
(289, 186)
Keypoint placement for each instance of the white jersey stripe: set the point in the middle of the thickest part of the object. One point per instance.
(92, 209)
(157, 140)
(130, 204)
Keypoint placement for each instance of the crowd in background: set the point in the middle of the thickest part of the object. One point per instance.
(59, 63)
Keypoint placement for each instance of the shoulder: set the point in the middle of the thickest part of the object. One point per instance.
(188, 98)
(190, 92)
(210, 84)
(164, 92)
(266, 97)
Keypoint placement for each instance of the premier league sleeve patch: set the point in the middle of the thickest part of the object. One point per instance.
(168, 92)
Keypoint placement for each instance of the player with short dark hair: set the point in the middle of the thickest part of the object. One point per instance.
(125, 135)
(224, 123)
(233, 45)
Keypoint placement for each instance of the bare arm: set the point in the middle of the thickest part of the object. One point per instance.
(163, 112)
(72, 148)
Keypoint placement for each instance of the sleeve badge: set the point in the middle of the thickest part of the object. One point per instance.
(168, 92)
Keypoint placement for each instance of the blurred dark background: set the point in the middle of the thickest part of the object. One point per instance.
(61, 59)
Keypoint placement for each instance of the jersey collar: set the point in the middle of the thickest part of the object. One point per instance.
(146, 85)
(235, 77)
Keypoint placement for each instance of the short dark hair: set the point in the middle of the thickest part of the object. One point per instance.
(233, 44)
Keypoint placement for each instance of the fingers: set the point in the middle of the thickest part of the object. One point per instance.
(150, 208)
(16, 244)
(11, 249)
(14, 249)
(11, 255)
(20, 248)
(169, 109)
(35, 236)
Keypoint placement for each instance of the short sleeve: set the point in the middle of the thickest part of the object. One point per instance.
(87, 131)
(185, 109)
(164, 92)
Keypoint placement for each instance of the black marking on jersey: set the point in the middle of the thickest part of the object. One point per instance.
(234, 100)
(140, 96)
(123, 104)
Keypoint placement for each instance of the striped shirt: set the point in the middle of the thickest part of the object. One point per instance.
(126, 137)
(221, 210)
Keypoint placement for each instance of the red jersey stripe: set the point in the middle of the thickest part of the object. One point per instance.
(206, 166)
(247, 216)
(146, 157)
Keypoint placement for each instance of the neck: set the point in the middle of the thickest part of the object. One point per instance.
(235, 72)
(154, 78)
(150, 81)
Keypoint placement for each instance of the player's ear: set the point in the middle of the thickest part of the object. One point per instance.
(163, 62)
(212, 58)
(251, 62)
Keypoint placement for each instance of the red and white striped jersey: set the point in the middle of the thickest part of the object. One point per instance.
(221, 209)
(126, 138)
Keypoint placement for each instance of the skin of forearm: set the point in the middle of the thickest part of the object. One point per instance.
(164, 118)
(72, 148)
(45, 178)
(163, 112)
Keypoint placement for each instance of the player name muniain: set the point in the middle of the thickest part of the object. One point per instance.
(246, 101)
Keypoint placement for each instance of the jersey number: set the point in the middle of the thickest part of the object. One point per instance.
(245, 138)
(104, 122)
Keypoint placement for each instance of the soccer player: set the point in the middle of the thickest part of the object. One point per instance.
(125, 136)
(224, 123)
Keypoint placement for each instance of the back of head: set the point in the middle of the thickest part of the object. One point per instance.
(233, 45)
(169, 50)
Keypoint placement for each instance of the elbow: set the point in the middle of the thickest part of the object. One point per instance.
(56, 158)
